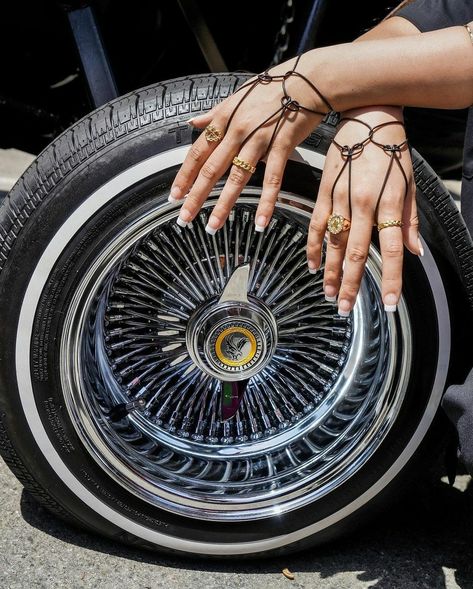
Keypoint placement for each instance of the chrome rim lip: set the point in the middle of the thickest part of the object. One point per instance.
(140, 486)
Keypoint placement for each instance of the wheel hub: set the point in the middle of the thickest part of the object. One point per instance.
(232, 341)
(232, 338)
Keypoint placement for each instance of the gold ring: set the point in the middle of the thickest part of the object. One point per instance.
(390, 223)
(212, 134)
(337, 223)
(244, 165)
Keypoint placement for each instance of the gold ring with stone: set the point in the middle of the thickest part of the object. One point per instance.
(244, 165)
(390, 223)
(337, 223)
(212, 134)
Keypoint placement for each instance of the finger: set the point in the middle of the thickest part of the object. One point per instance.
(336, 244)
(198, 153)
(201, 121)
(392, 251)
(410, 220)
(211, 171)
(274, 172)
(318, 226)
(237, 180)
(355, 258)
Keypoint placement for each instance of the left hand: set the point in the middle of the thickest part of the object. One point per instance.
(347, 251)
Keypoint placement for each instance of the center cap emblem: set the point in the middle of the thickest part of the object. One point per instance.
(236, 346)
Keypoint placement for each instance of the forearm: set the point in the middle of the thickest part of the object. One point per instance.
(433, 70)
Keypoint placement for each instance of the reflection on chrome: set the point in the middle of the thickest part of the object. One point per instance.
(149, 342)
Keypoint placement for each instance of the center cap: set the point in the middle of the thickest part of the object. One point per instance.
(235, 346)
(235, 337)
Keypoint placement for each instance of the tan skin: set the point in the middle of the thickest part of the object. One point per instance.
(428, 70)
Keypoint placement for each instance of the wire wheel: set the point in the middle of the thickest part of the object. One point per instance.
(219, 407)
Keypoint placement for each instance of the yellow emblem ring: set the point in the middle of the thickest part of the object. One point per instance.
(226, 332)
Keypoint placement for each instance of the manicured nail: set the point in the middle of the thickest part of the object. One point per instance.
(312, 267)
(190, 121)
(175, 194)
(260, 223)
(181, 222)
(343, 308)
(330, 294)
(421, 249)
(212, 225)
(210, 230)
(390, 303)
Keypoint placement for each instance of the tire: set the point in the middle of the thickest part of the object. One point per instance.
(103, 298)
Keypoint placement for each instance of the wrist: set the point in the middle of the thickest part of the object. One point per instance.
(355, 122)
(375, 115)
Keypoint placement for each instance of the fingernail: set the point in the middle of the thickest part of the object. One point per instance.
(212, 225)
(175, 194)
(312, 267)
(260, 223)
(421, 249)
(210, 230)
(181, 222)
(390, 303)
(330, 293)
(190, 121)
(343, 308)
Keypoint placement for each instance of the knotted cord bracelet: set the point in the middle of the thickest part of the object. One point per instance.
(288, 104)
(349, 152)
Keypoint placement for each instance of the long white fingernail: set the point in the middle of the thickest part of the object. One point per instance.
(189, 121)
(343, 313)
(421, 249)
(390, 302)
(181, 222)
(330, 299)
(313, 270)
(210, 230)
(172, 199)
(260, 223)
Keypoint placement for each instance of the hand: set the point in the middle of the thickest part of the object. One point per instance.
(368, 172)
(208, 161)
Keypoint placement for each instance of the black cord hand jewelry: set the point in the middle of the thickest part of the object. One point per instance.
(336, 222)
(288, 104)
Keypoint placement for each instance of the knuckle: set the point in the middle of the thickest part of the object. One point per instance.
(393, 248)
(317, 225)
(192, 201)
(362, 199)
(332, 275)
(357, 255)
(280, 146)
(350, 288)
(195, 153)
(273, 180)
(339, 192)
(209, 171)
(336, 243)
(237, 178)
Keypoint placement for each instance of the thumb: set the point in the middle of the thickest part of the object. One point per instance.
(203, 120)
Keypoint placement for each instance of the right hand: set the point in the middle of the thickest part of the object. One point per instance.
(368, 171)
